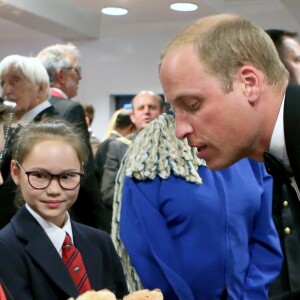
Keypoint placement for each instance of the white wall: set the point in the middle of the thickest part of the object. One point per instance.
(123, 61)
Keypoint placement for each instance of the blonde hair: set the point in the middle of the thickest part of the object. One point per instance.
(112, 122)
(226, 42)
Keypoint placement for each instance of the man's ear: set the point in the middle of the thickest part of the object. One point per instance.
(251, 78)
(60, 76)
(132, 117)
(15, 172)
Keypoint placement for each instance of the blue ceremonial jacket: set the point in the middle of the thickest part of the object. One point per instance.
(194, 241)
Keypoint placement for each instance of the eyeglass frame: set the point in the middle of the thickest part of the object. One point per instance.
(77, 69)
(28, 173)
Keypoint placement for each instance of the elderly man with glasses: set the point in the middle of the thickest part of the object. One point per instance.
(61, 63)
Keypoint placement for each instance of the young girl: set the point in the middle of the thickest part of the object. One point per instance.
(35, 247)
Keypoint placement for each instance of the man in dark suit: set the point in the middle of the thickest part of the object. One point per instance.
(61, 63)
(24, 81)
(288, 49)
(231, 98)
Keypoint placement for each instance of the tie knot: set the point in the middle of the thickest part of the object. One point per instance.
(67, 242)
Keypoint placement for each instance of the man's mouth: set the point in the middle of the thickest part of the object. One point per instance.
(201, 151)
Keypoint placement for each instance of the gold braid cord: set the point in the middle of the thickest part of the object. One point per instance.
(155, 152)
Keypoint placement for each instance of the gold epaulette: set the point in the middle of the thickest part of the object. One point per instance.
(124, 140)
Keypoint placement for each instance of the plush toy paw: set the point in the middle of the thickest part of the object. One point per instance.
(99, 295)
(145, 295)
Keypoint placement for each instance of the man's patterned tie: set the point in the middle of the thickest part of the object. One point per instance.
(74, 263)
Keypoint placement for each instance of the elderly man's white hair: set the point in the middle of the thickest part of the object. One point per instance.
(31, 67)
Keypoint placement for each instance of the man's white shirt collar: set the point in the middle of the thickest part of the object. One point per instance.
(31, 114)
(277, 145)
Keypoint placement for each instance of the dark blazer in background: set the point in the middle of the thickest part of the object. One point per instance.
(8, 189)
(89, 208)
(32, 269)
(100, 156)
(115, 153)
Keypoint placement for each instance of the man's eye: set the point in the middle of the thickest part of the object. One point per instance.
(192, 106)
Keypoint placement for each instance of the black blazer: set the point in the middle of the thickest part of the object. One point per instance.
(31, 267)
(89, 208)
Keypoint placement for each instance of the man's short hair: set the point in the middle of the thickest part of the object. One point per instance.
(55, 57)
(226, 42)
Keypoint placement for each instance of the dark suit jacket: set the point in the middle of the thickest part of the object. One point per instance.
(115, 153)
(292, 139)
(100, 156)
(89, 208)
(8, 189)
(289, 278)
(31, 267)
(291, 119)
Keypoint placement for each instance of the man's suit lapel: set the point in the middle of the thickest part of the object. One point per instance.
(42, 251)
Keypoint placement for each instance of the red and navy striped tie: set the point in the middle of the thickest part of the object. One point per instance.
(74, 263)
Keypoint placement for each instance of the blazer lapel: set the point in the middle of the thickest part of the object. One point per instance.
(42, 251)
(91, 256)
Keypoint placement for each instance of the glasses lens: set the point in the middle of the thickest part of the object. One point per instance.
(69, 180)
(78, 70)
(39, 179)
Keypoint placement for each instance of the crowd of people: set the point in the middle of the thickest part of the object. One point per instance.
(177, 200)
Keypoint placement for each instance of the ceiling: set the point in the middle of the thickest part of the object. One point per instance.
(81, 19)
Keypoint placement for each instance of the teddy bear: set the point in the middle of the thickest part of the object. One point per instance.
(108, 295)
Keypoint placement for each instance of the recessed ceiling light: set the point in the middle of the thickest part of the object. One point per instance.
(184, 6)
(114, 11)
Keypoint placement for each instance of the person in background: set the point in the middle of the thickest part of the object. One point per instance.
(112, 122)
(288, 48)
(25, 82)
(61, 63)
(122, 127)
(189, 231)
(89, 118)
(41, 242)
(146, 106)
(288, 281)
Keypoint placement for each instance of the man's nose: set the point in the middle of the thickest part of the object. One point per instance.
(183, 128)
(6, 89)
